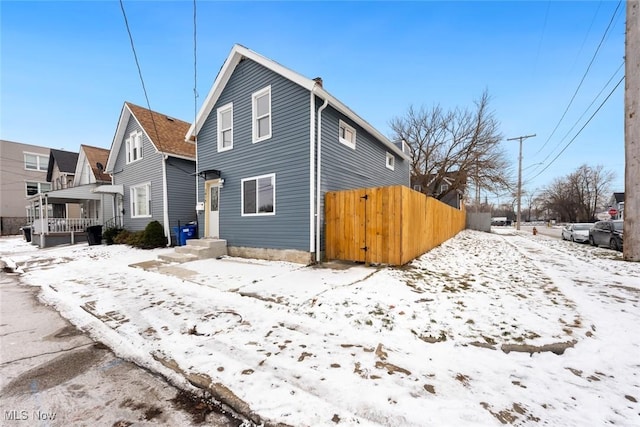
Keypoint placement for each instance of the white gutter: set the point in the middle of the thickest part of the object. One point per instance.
(312, 127)
(165, 201)
(319, 170)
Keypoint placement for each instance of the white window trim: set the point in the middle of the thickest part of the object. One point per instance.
(254, 118)
(350, 144)
(40, 166)
(390, 161)
(129, 147)
(256, 178)
(224, 109)
(132, 198)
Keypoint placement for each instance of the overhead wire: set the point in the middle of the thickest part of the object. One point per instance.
(544, 29)
(581, 116)
(195, 67)
(144, 89)
(575, 93)
(581, 129)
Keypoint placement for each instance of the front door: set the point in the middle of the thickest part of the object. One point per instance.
(212, 211)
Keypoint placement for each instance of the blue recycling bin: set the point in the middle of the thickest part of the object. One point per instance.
(187, 232)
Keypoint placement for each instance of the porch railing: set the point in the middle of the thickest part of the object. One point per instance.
(63, 225)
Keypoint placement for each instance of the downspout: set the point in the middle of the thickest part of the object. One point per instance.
(165, 201)
(319, 182)
(312, 153)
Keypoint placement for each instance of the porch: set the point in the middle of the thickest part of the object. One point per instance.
(97, 206)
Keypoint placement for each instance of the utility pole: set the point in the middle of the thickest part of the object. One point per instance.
(632, 134)
(520, 138)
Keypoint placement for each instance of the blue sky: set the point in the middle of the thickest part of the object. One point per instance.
(67, 67)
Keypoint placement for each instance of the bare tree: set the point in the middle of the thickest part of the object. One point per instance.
(452, 147)
(579, 195)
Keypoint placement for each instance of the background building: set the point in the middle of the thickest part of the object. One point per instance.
(23, 172)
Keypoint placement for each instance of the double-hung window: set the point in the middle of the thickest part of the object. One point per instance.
(261, 114)
(259, 195)
(347, 135)
(225, 127)
(134, 146)
(36, 162)
(141, 200)
(37, 187)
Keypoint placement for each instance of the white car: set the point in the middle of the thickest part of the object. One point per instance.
(577, 232)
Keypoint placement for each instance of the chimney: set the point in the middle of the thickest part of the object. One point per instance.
(318, 81)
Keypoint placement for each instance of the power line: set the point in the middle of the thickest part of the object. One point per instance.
(615, 12)
(195, 65)
(144, 89)
(581, 129)
(544, 28)
(581, 116)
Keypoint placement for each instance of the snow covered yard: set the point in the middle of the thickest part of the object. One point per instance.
(486, 329)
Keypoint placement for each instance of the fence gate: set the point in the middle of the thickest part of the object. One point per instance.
(386, 225)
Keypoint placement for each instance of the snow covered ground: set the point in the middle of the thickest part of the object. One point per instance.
(487, 329)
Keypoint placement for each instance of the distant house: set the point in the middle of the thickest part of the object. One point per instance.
(60, 172)
(271, 143)
(23, 173)
(448, 188)
(81, 196)
(155, 168)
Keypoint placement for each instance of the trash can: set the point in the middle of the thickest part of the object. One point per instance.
(176, 234)
(26, 232)
(187, 232)
(94, 235)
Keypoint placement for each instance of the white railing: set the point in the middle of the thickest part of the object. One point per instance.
(63, 225)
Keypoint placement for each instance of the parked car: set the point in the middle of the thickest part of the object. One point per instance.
(607, 233)
(576, 232)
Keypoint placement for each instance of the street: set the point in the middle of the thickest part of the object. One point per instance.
(51, 374)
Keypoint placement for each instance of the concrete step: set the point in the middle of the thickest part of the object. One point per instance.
(196, 249)
(178, 257)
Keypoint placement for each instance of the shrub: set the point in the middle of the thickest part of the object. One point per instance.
(153, 236)
(122, 238)
(110, 234)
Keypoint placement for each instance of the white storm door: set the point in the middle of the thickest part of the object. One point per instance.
(213, 209)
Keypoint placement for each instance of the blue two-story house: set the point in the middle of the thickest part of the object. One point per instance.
(153, 168)
(270, 144)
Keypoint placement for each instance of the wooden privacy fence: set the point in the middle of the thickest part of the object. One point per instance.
(386, 225)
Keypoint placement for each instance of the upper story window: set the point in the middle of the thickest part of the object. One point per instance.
(259, 195)
(141, 201)
(261, 113)
(225, 127)
(444, 187)
(36, 162)
(347, 135)
(134, 146)
(391, 161)
(37, 187)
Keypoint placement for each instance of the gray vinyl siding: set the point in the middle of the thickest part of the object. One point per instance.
(344, 168)
(285, 154)
(181, 191)
(148, 169)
